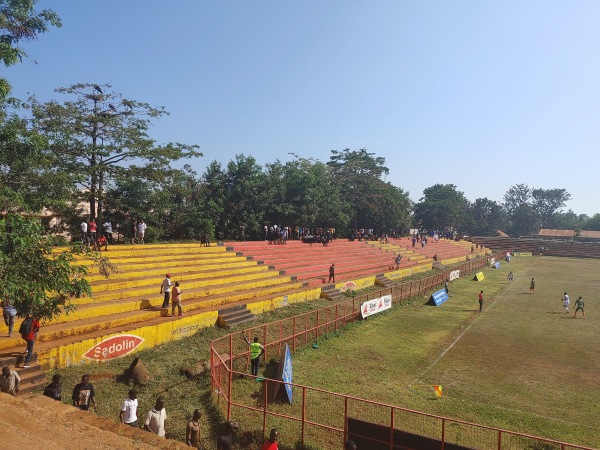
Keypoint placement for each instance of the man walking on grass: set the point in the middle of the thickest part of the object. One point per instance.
(481, 301)
(157, 417)
(256, 349)
(566, 303)
(579, 305)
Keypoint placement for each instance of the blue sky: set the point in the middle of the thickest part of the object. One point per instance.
(480, 94)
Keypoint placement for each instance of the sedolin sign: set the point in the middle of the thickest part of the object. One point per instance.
(114, 347)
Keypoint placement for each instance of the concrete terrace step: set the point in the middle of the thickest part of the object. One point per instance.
(192, 299)
(158, 272)
(208, 286)
(109, 284)
(107, 321)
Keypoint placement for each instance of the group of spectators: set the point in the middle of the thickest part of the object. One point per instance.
(278, 235)
(91, 237)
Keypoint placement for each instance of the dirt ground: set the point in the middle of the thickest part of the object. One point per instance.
(41, 422)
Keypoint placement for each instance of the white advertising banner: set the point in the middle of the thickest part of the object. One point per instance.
(454, 275)
(376, 305)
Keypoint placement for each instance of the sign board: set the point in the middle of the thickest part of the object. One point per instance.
(375, 306)
(454, 275)
(496, 265)
(525, 254)
(478, 276)
(349, 286)
(114, 347)
(287, 372)
(439, 297)
(277, 390)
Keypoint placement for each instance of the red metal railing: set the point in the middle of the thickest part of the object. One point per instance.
(230, 359)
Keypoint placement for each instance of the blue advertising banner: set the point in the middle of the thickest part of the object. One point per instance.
(439, 297)
(496, 265)
(287, 372)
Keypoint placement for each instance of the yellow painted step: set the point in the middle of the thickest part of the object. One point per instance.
(207, 287)
(142, 280)
(159, 272)
(79, 327)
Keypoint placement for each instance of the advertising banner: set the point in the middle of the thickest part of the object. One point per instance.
(454, 275)
(375, 306)
(439, 297)
(478, 276)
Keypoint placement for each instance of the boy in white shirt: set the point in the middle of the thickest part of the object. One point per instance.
(129, 410)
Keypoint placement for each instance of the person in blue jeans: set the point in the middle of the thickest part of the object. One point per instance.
(30, 338)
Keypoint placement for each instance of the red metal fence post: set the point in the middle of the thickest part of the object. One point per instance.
(294, 335)
(266, 384)
(303, 413)
(230, 387)
(345, 418)
(443, 433)
(392, 428)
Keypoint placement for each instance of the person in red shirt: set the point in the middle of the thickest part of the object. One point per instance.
(271, 443)
(481, 301)
(30, 338)
(92, 229)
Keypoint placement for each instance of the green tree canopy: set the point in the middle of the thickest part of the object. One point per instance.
(442, 205)
(19, 22)
(98, 133)
(33, 278)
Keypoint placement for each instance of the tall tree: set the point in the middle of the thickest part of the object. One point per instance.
(302, 192)
(360, 177)
(486, 217)
(593, 223)
(547, 204)
(441, 206)
(98, 133)
(29, 179)
(522, 217)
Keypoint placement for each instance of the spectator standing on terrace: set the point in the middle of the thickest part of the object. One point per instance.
(271, 443)
(141, 231)
(157, 417)
(165, 288)
(107, 226)
(129, 410)
(331, 273)
(83, 394)
(532, 286)
(579, 305)
(9, 381)
(192, 432)
(398, 259)
(92, 228)
(54, 389)
(29, 330)
(225, 439)
(256, 349)
(9, 313)
(566, 303)
(84, 230)
(242, 232)
(134, 225)
(176, 300)
(481, 301)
